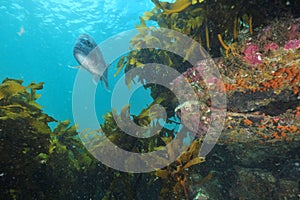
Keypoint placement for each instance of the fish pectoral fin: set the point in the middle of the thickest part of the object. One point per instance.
(74, 67)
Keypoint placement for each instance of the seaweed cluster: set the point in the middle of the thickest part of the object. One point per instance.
(259, 45)
(236, 21)
(260, 70)
(37, 162)
(175, 177)
(25, 138)
(40, 163)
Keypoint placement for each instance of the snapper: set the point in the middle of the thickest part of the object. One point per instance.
(88, 55)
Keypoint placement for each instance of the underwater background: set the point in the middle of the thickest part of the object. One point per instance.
(232, 133)
(38, 39)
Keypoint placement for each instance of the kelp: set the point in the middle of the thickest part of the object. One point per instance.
(116, 135)
(203, 21)
(40, 160)
(175, 7)
(24, 137)
(212, 24)
(176, 176)
(10, 88)
(18, 101)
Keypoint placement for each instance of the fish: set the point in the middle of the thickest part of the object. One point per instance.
(89, 56)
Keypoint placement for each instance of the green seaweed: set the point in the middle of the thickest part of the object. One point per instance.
(10, 88)
(18, 101)
(202, 21)
(31, 152)
(51, 164)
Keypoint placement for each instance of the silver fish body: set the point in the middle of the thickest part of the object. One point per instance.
(88, 55)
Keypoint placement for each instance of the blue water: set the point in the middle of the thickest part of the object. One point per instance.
(37, 38)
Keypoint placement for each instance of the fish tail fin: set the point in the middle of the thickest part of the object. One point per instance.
(96, 79)
(104, 78)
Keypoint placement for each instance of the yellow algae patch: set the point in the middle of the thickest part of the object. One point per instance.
(175, 7)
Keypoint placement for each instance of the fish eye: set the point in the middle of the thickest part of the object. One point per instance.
(88, 43)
